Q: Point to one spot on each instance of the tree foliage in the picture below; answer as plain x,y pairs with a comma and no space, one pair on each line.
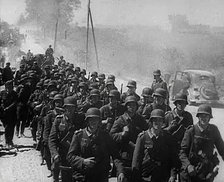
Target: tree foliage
46,12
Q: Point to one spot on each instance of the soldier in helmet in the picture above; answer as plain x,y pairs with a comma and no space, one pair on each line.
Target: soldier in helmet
158,82
7,73
61,61
159,97
90,151
131,91
199,160
51,115
77,72
125,131
93,78
82,93
146,99
8,100
60,137
92,101
104,95
178,120
82,77
155,157
19,73
111,111
101,78
49,52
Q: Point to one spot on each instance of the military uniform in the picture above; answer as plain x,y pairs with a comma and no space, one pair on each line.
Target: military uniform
149,108
126,143
177,125
111,114
159,84
154,158
197,149
8,102
101,147
51,115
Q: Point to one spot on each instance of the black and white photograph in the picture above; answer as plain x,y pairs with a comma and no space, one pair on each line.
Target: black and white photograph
111,90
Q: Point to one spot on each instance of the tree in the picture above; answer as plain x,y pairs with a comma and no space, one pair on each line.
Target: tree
45,13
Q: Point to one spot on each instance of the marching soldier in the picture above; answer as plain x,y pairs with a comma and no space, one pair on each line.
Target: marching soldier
155,156
178,120
146,99
159,97
7,73
101,78
199,160
125,131
90,151
60,137
131,91
8,100
158,82
51,115
92,101
112,110
49,52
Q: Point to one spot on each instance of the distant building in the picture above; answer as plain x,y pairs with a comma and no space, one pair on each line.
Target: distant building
180,24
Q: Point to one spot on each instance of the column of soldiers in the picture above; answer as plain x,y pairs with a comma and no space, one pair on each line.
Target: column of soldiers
86,130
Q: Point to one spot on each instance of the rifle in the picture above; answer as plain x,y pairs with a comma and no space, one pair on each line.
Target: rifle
65,141
121,88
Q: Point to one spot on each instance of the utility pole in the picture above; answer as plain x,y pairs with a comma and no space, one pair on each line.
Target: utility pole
89,17
87,34
56,25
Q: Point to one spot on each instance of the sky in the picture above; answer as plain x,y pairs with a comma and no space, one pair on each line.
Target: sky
133,12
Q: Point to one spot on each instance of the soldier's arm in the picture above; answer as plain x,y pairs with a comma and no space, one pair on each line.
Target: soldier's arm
185,148
15,99
138,157
53,140
114,152
219,142
117,130
47,128
147,112
74,152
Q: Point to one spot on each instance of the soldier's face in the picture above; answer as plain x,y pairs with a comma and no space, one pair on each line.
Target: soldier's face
156,77
93,124
131,89
157,123
132,107
94,98
58,103
159,100
113,100
180,105
69,109
204,119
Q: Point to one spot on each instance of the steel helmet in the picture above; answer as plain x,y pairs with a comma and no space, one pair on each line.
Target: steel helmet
101,76
129,99
157,72
160,92
83,71
93,86
70,101
52,94
115,93
157,113
93,113
111,77
131,83
204,109
180,97
83,84
58,97
146,92
95,92
77,69
94,74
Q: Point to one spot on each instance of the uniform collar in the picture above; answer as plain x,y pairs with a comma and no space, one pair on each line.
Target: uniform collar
88,133
152,134
200,128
